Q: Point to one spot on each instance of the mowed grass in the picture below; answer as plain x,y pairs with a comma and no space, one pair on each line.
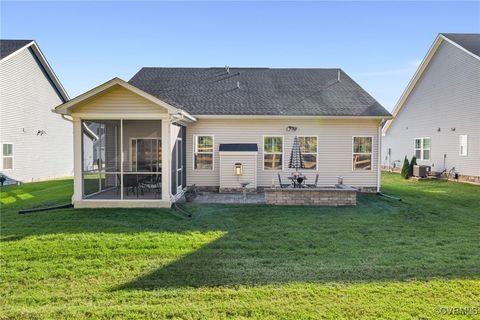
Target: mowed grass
381,259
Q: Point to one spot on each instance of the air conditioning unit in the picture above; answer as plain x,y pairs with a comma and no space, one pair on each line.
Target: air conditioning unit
421,171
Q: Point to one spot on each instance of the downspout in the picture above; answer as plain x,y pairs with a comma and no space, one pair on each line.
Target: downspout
379,154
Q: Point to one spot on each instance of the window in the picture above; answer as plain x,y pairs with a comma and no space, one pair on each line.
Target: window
273,153
422,148
308,146
463,145
146,155
362,153
203,151
7,156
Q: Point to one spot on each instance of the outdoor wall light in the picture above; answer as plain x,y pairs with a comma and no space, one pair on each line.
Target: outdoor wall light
290,128
238,169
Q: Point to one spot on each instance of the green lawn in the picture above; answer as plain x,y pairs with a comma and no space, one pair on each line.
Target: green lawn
381,259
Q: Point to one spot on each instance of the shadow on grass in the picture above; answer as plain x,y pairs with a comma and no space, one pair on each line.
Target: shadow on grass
379,240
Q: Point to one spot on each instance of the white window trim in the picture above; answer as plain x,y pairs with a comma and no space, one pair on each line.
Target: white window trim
263,152
316,154
422,149
370,153
195,136
12,156
130,152
460,145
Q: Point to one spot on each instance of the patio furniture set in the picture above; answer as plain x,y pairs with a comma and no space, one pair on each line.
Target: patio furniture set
298,180
140,186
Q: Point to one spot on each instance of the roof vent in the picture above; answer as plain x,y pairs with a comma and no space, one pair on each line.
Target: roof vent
227,68
338,75
238,84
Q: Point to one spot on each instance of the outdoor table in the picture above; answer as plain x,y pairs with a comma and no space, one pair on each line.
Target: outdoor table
295,182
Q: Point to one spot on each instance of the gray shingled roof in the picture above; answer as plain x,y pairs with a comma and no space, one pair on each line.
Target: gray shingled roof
8,47
258,91
468,41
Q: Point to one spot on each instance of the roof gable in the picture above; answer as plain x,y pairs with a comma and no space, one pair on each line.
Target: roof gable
423,66
116,86
9,48
468,41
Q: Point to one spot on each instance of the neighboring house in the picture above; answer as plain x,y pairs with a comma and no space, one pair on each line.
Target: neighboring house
35,143
437,118
168,128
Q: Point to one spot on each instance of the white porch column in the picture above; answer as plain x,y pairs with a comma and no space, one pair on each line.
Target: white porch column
77,160
166,160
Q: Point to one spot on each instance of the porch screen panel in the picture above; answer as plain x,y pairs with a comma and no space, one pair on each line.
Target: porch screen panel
142,159
101,159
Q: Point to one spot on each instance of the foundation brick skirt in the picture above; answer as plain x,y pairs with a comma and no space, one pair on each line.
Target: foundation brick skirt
340,196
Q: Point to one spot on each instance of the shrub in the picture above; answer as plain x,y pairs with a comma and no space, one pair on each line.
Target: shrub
405,168
413,162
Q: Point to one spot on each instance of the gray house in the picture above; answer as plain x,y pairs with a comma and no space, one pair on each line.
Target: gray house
437,118
168,128
35,143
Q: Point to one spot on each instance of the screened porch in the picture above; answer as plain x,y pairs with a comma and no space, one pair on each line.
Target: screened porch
122,159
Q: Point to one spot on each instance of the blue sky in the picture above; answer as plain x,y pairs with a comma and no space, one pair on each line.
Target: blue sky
379,44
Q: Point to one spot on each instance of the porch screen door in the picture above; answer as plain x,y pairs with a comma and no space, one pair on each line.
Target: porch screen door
179,163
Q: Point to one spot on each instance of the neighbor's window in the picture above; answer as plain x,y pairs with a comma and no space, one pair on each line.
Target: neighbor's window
422,148
463,144
203,152
362,153
273,153
7,156
308,146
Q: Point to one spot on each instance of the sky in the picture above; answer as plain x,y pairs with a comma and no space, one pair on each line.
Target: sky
379,44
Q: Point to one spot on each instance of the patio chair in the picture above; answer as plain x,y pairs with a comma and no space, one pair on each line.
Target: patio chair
152,184
282,185
130,183
313,185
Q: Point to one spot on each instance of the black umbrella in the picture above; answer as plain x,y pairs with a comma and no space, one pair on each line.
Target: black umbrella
296,158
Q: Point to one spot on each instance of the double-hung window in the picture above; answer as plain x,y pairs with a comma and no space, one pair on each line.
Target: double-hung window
362,153
308,146
7,156
273,153
203,152
422,148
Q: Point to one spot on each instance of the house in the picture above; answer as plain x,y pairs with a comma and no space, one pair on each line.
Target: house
35,144
438,115
216,128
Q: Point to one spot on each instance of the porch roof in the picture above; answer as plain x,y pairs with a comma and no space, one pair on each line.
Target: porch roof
68,107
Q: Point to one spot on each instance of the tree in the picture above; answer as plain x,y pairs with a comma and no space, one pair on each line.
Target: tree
405,169
413,162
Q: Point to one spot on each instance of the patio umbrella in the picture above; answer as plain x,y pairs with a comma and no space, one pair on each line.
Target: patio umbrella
296,158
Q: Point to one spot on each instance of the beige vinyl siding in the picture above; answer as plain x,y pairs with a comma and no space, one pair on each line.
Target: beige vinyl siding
26,100
334,147
249,173
446,97
118,100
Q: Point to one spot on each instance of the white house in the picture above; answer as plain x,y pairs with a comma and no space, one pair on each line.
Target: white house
35,143
437,118
168,128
